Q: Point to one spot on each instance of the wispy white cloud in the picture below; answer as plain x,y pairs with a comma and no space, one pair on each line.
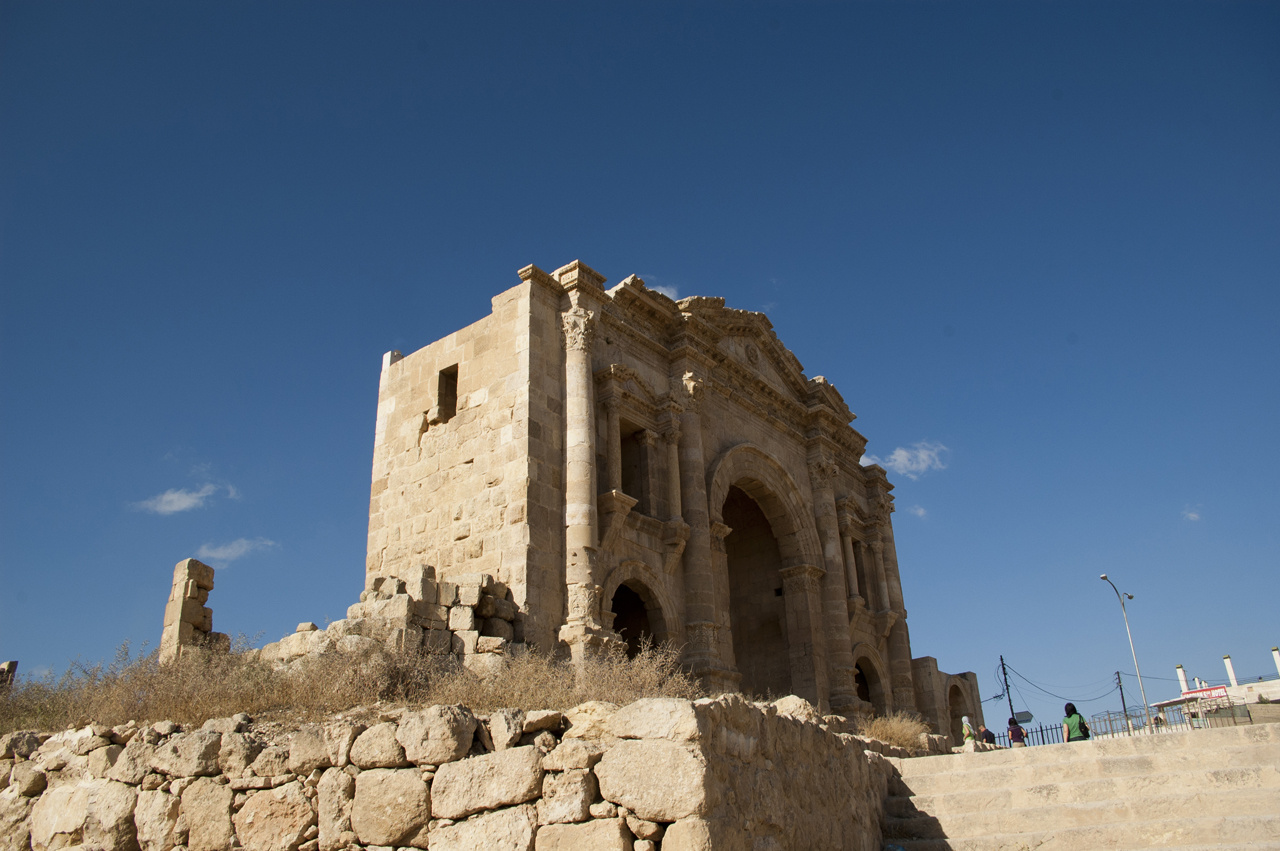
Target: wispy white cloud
1191,513
918,511
177,499
239,548
914,462
651,281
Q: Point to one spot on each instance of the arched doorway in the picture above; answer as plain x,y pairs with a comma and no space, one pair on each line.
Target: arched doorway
637,617
757,606
957,707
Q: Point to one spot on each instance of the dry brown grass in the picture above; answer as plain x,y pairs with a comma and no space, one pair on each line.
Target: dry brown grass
903,729
205,685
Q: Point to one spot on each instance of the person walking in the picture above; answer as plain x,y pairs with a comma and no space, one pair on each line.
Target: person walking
966,730
1073,727
1017,735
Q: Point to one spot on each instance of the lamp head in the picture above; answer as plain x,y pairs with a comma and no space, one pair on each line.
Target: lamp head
1127,594
1103,577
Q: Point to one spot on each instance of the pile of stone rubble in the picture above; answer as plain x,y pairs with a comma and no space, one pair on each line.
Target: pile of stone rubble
470,617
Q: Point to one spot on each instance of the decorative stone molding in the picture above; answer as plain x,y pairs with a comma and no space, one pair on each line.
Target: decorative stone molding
719,532
674,538
614,506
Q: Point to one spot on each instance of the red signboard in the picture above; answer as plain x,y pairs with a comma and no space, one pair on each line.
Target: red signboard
1211,692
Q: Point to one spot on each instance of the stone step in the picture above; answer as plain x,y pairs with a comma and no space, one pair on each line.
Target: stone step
1014,774
1148,809
1236,833
972,800
1217,739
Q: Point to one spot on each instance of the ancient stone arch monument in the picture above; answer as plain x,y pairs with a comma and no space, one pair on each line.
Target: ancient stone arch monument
628,465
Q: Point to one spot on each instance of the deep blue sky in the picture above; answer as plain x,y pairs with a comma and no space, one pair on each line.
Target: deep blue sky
1043,236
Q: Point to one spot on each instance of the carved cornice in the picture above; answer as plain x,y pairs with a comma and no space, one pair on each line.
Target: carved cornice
578,275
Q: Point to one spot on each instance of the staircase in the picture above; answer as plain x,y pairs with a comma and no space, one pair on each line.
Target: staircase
1193,791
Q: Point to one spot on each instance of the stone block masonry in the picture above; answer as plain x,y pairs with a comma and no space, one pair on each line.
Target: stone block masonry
188,622
660,773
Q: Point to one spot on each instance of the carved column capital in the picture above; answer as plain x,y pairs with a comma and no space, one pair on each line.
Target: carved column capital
822,472
647,438
579,329
691,392
801,577
612,404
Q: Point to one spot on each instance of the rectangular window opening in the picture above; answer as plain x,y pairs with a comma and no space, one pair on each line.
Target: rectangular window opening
447,394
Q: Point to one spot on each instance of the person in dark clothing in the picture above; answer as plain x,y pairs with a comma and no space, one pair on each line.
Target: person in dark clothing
1017,735
985,735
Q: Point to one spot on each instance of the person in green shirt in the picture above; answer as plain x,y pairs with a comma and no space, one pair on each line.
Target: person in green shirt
1073,727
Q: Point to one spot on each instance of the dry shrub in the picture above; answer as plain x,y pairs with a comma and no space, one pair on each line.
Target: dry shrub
207,684
903,729
531,679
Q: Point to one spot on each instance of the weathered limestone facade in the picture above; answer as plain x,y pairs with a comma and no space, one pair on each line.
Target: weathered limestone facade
628,465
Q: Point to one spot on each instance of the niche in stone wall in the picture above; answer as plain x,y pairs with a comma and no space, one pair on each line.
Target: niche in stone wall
635,467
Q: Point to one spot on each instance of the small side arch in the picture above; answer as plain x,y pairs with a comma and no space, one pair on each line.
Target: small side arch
634,595
871,679
959,704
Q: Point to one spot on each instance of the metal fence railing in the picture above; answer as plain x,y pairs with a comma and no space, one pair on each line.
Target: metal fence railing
1196,714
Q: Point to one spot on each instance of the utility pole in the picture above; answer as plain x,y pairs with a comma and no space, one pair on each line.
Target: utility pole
1123,706
1004,673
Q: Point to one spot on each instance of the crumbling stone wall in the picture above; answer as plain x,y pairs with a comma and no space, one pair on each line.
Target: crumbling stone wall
469,617
188,622
657,774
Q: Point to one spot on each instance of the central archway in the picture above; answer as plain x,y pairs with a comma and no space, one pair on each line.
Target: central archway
756,606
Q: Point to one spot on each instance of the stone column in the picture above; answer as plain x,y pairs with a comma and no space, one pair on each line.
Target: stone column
581,521
706,618
877,548
648,442
672,438
893,577
802,598
835,603
850,566
614,447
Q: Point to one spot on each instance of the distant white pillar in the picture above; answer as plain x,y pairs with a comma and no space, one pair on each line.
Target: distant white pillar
1231,671
1182,679
1275,656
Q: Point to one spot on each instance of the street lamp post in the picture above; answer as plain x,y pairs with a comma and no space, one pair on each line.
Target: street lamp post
1145,706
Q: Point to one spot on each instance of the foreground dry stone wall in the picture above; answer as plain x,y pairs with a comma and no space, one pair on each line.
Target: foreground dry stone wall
660,773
